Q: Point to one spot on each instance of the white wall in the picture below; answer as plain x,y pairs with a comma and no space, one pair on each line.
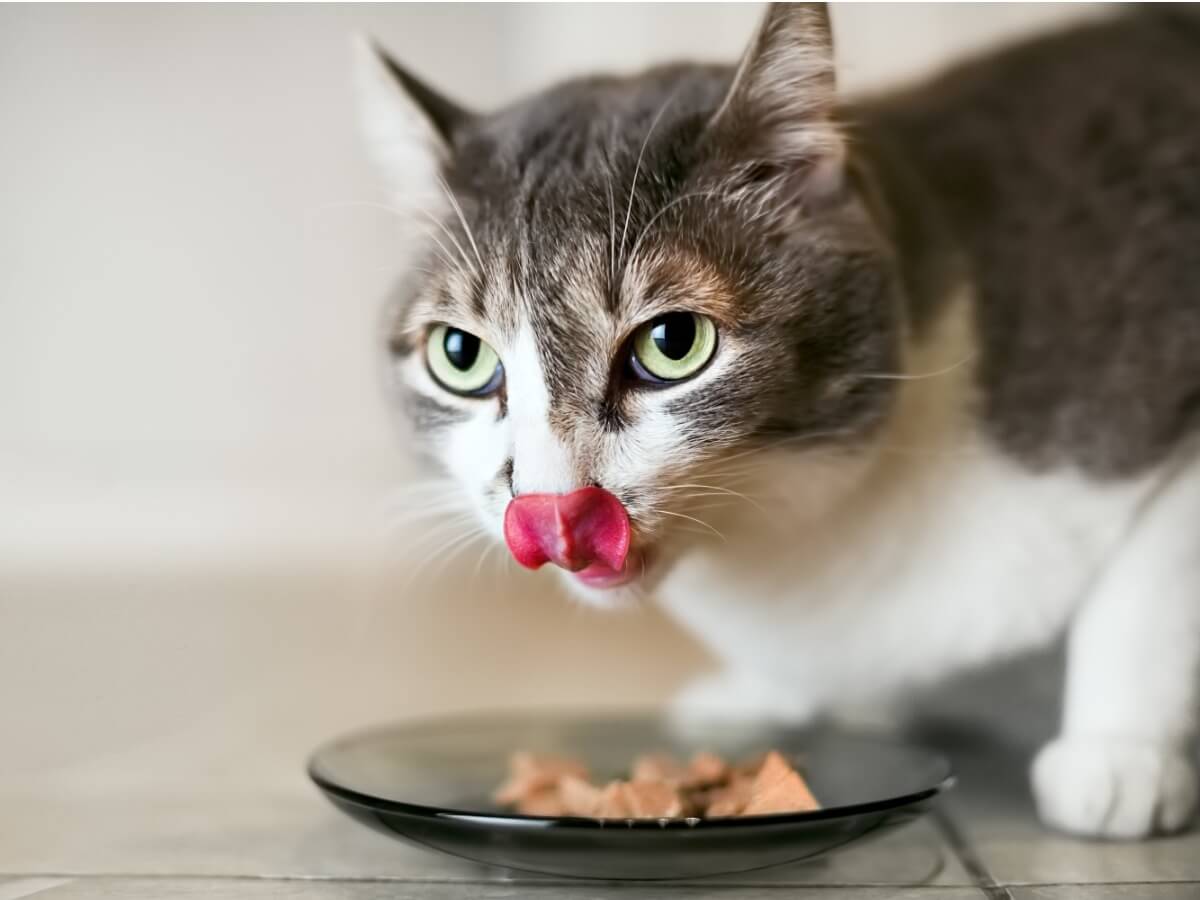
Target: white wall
193,446
190,271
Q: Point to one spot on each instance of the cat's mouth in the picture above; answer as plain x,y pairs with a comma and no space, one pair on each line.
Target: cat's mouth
587,532
600,575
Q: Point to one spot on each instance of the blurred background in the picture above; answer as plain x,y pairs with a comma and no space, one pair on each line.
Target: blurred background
197,575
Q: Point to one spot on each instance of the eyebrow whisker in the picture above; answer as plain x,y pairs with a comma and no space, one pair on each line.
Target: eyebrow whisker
463,219
638,241
637,168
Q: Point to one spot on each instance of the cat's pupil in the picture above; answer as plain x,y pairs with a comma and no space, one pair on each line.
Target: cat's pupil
674,334
462,349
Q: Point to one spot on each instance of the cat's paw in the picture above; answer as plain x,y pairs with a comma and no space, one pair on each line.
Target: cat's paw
884,715
1104,787
727,695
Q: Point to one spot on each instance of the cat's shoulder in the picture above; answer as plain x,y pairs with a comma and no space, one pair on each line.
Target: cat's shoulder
1067,170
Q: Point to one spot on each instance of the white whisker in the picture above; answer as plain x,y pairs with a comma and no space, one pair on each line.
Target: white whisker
456,547
637,168
710,489
464,268
899,376
612,213
484,557
666,206
463,219
700,522
778,442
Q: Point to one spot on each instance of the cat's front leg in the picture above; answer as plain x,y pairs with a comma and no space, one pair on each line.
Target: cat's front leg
738,695
1123,766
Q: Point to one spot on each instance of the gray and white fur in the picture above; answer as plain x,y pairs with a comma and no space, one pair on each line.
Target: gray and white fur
954,410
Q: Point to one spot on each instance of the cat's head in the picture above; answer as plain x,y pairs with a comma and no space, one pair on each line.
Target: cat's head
635,284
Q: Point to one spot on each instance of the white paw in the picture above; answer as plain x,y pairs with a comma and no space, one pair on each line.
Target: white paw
1104,787
886,715
725,695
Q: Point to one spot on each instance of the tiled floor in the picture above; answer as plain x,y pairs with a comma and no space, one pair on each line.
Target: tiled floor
144,838
998,816
287,843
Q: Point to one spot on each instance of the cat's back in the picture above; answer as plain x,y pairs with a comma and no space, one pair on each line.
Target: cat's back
1068,169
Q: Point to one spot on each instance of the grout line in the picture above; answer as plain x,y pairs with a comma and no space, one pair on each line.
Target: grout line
961,847
27,887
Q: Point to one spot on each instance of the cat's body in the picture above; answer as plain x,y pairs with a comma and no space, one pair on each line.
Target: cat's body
1050,460
955,409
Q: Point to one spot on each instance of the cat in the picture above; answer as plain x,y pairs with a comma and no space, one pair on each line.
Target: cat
864,393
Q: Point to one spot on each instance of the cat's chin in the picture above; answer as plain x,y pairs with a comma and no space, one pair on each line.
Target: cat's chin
619,597
603,588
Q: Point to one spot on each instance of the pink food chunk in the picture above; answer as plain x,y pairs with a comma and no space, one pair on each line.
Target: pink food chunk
661,767
541,802
579,797
706,768
731,798
778,788
531,772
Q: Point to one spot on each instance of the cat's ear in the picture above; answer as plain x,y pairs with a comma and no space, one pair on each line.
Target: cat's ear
408,126
780,110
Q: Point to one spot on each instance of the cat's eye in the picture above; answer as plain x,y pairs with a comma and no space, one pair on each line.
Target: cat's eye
672,347
462,363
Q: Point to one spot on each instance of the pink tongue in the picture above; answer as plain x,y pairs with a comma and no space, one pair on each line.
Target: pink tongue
574,530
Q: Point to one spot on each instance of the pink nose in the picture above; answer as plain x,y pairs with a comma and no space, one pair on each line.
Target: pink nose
576,530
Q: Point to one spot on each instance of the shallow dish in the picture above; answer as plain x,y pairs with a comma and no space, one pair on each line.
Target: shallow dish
429,783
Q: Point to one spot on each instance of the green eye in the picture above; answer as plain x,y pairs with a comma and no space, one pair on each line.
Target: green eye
673,347
461,362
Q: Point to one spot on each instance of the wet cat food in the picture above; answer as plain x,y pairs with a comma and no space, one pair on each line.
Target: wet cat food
659,786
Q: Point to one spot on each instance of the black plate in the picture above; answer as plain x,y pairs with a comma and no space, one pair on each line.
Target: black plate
429,783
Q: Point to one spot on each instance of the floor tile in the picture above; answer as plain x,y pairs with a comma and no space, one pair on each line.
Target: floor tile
1109,892
999,820
1055,860
286,834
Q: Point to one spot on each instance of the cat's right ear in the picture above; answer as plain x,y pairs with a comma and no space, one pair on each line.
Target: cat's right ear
409,128
779,113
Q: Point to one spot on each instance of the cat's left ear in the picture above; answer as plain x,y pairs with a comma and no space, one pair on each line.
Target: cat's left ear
780,111
408,126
